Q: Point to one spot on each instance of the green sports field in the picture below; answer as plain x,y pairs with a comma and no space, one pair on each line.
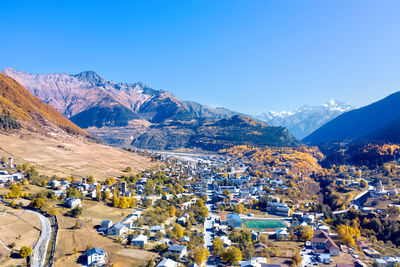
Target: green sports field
264,224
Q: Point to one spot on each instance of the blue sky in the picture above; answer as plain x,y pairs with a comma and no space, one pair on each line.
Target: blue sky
249,56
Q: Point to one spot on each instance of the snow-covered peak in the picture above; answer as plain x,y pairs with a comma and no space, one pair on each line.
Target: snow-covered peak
303,120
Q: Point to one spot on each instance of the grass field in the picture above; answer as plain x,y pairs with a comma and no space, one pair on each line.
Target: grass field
17,228
273,224
61,156
92,215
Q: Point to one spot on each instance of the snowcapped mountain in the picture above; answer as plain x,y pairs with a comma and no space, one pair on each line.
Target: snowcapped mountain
306,119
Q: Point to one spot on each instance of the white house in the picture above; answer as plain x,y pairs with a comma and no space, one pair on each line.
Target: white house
73,202
95,256
167,263
139,240
117,229
180,250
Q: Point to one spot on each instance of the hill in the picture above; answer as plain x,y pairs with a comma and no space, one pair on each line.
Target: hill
17,103
213,135
379,121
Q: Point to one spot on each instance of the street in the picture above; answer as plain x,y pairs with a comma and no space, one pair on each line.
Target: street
40,249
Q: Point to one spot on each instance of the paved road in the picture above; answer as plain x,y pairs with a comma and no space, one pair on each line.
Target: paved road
208,237
40,249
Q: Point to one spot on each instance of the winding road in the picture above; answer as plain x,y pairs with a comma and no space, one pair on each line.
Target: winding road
40,249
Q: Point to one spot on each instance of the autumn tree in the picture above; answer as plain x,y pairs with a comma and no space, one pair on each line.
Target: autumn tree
200,255
218,247
37,203
232,255
98,192
347,234
15,191
178,230
171,211
25,251
306,233
90,179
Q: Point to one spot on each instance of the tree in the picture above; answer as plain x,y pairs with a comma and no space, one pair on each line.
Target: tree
297,257
115,202
393,211
25,251
15,191
128,169
363,183
52,211
307,233
150,263
178,230
147,203
347,234
232,255
171,211
37,203
76,212
160,247
123,203
132,202
218,247
110,181
98,193
200,255
226,193
90,179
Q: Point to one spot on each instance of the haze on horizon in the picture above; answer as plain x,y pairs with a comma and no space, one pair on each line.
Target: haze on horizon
250,57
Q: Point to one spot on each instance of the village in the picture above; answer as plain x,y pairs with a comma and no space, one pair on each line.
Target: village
209,210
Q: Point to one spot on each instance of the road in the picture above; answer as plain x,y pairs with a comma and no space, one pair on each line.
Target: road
40,249
208,224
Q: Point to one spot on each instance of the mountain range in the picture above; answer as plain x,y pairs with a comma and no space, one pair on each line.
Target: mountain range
379,121
133,113
306,119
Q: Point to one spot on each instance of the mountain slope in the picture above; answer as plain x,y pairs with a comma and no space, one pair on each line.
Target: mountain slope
372,122
18,103
303,121
214,135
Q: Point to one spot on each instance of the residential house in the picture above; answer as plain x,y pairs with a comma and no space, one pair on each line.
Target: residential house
178,249
139,240
95,256
118,229
167,263
321,242
254,262
104,226
182,220
73,202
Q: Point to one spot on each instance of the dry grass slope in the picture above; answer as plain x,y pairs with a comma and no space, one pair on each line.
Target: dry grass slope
18,103
63,156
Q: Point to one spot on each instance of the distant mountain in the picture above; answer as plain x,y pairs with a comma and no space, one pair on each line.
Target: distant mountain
379,121
133,113
16,103
303,121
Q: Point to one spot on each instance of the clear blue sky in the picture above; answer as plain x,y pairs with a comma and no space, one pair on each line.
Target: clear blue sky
250,56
